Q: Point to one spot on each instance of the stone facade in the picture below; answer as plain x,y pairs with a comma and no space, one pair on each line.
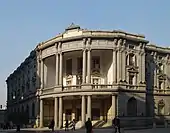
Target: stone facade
82,74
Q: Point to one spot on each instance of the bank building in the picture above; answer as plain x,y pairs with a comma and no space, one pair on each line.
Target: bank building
81,74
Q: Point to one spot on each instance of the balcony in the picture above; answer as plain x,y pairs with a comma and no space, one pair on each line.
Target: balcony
162,91
74,88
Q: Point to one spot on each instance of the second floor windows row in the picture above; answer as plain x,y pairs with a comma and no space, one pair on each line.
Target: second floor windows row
95,64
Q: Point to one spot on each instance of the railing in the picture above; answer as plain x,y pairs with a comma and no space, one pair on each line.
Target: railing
164,91
131,87
48,90
101,86
71,87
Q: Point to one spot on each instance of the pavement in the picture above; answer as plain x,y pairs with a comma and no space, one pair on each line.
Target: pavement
153,130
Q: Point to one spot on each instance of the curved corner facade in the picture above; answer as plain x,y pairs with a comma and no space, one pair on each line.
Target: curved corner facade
84,74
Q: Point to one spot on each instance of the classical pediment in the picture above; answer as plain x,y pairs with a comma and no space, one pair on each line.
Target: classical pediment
133,69
162,76
69,77
96,73
161,102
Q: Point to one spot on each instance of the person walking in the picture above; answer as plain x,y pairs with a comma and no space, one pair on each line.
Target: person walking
52,125
73,124
66,125
116,124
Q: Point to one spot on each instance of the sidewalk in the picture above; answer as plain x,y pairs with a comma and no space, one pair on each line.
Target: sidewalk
106,130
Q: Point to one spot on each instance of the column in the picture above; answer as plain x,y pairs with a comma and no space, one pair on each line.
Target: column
118,66
123,57
155,77
37,112
114,66
61,70
89,66
113,106
56,112
89,107
38,74
84,66
83,110
57,66
60,112
166,72
140,68
41,113
42,73
143,67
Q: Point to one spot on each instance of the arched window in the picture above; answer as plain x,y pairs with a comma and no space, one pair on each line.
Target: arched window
132,107
161,107
33,109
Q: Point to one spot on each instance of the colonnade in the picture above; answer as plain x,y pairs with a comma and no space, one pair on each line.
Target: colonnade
58,110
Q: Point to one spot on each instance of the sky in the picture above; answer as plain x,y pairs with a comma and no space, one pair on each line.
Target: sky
25,23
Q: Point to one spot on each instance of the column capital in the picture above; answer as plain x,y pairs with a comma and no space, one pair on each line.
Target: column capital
120,41
124,42
60,53
84,40
89,49
56,45
84,49
89,40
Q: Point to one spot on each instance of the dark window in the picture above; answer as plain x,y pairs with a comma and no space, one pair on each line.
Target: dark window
96,62
33,110
79,63
69,67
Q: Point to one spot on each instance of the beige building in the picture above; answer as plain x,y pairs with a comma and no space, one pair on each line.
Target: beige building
82,74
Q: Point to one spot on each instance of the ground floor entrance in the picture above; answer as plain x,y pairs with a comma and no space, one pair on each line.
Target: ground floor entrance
79,108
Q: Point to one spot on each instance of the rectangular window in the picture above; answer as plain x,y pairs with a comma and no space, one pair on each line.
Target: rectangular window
69,67
160,85
79,64
131,78
96,62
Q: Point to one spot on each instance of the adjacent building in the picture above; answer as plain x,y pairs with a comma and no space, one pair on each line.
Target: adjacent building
82,74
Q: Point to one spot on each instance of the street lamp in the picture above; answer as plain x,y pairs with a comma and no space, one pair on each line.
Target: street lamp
22,98
13,97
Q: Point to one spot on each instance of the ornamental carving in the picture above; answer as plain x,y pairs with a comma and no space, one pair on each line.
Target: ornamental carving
161,103
69,77
132,69
162,76
96,73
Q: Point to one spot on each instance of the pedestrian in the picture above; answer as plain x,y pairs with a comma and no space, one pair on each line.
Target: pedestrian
66,125
88,126
73,124
116,124
52,125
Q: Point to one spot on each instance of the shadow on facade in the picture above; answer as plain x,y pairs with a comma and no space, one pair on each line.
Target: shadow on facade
23,104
